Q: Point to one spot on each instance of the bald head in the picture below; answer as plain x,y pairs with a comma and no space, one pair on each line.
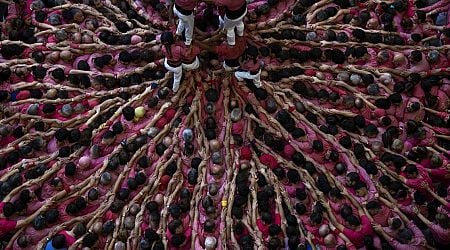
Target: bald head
399,59
330,240
159,198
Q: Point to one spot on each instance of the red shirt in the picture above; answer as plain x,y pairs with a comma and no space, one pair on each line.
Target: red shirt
232,52
251,65
176,53
231,4
186,4
6,226
264,228
191,54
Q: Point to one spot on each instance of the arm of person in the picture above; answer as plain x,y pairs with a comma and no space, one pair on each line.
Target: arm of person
422,218
332,217
437,197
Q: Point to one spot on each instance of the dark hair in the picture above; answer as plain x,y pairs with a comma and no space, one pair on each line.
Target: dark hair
342,37
346,142
396,223
416,56
58,74
8,209
383,103
353,220
59,241
128,113
90,239
274,229
51,216
177,240
359,34
48,108
405,235
251,52
167,39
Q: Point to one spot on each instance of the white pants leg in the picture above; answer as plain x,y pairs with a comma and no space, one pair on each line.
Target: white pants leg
177,73
192,66
221,22
230,24
185,23
240,75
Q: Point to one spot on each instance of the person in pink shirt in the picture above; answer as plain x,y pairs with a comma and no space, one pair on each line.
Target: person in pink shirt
356,229
379,212
439,230
418,62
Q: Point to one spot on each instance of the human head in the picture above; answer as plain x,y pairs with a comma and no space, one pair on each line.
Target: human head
443,220
167,38
59,241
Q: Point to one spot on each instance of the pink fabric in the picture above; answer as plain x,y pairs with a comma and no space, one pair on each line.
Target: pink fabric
357,237
6,226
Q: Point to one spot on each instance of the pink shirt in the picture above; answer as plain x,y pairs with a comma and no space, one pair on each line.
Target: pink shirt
6,226
357,237
440,234
382,216
69,238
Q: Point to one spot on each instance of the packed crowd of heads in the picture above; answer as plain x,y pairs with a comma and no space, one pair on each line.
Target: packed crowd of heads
341,142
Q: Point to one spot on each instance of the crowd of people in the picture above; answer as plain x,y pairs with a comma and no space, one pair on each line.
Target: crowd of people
224,124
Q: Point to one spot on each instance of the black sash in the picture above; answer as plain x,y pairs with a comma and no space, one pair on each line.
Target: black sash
183,11
235,14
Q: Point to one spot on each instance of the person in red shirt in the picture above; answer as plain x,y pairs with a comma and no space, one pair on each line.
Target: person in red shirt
190,58
251,68
174,54
235,11
184,9
229,53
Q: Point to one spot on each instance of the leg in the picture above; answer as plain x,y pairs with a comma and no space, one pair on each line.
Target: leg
257,80
221,24
229,27
189,28
181,25
240,28
177,79
231,39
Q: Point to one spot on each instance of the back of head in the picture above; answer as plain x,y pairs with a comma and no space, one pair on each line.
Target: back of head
167,38
59,241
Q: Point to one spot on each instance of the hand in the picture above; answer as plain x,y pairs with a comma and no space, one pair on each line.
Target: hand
377,227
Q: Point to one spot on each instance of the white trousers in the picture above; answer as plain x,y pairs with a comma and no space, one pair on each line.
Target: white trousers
185,23
220,22
241,75
230,24
192,66
177,73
